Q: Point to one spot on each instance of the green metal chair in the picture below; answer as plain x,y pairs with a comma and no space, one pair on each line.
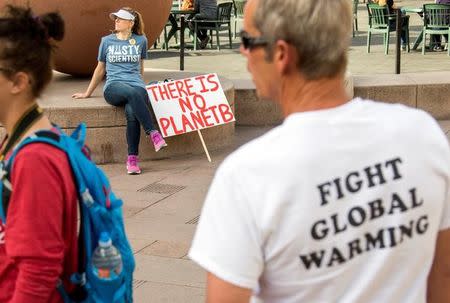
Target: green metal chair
380,22
165,45
436,21
355,17
238,13
222,22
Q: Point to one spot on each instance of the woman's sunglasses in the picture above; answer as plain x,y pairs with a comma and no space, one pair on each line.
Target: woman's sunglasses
249,42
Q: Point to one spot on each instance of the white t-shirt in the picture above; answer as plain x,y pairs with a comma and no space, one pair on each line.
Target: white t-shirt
336,205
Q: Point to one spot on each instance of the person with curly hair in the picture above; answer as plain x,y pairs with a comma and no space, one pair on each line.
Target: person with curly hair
38,243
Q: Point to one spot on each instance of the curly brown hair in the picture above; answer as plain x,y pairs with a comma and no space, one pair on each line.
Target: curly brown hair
25,44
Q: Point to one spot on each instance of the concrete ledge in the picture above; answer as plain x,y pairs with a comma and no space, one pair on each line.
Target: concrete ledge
250,110
108,144
427,91
106,124
387,88
445,125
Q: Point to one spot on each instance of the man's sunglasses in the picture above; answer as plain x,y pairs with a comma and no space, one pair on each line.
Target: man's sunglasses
249,42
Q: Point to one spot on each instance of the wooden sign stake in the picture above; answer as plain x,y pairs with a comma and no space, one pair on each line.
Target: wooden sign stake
204,145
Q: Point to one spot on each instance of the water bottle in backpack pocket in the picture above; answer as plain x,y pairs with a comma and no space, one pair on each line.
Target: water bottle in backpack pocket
106,261
106,268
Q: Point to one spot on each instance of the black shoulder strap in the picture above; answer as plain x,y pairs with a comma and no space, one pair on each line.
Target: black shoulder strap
24,123
6,192
6,195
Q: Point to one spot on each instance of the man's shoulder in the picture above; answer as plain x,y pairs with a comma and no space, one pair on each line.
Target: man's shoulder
399,119
398,110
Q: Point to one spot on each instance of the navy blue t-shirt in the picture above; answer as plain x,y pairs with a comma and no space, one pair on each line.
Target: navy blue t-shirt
123,59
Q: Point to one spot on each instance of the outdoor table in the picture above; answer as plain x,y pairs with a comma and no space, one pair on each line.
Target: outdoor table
174,29
419,11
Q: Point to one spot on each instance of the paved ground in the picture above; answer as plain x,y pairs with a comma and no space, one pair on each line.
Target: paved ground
162,207
163,204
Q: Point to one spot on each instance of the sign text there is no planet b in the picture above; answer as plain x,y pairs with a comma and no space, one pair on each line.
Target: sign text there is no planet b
191,104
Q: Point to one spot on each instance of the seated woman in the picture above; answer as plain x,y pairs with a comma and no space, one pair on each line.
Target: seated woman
205,10
121,57
392,23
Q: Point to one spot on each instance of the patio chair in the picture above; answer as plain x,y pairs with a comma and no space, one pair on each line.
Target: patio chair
382,22
238,13
165,45
436,21
222,22
355,17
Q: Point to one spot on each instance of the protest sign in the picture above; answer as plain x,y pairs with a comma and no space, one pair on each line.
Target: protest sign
190,104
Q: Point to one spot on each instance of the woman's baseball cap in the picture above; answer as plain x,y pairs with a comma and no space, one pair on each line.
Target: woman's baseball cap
122,14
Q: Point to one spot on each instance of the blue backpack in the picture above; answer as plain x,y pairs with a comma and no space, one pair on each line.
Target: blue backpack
100,211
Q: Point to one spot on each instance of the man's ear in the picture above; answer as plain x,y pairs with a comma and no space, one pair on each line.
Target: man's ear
20,82
285,57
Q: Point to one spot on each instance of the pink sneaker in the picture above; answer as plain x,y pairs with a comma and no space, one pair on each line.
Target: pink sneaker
132,165
157,140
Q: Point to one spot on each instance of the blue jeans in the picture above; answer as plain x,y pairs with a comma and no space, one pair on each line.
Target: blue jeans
137,111
201,33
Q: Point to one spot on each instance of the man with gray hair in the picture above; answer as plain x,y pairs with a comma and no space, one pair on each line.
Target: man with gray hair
346,201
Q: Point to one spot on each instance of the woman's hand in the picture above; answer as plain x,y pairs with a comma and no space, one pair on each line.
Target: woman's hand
80,96
99,72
